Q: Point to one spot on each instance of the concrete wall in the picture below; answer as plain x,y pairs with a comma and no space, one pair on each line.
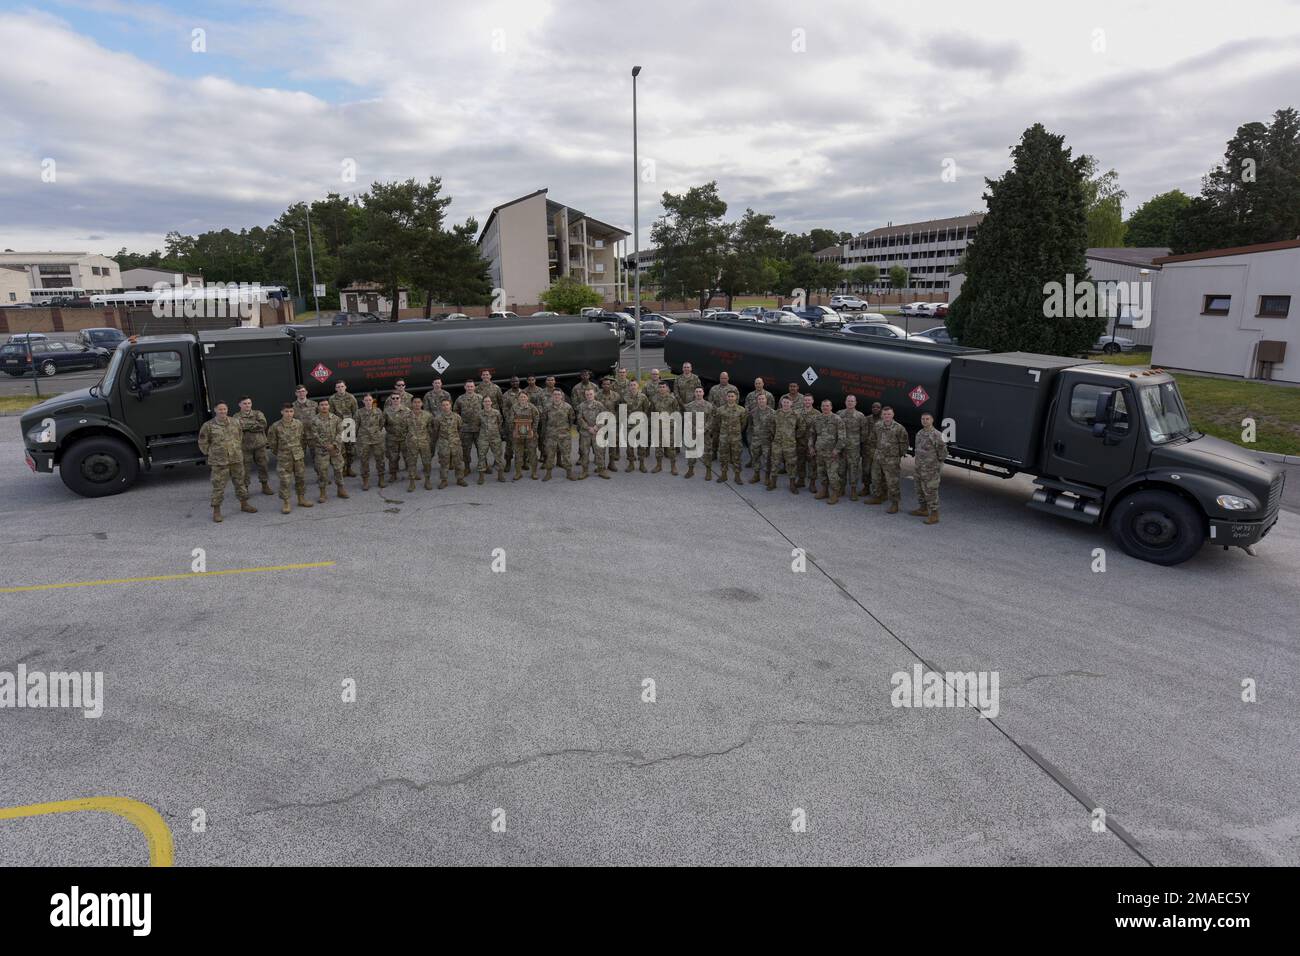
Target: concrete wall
130,321
15,286
525,272
1225,344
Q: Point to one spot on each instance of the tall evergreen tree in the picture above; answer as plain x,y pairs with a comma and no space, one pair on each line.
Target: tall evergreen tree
1035,233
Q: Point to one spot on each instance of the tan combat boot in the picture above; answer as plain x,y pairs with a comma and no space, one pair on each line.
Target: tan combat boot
568,473
442,475
853,492
501,474
216,514
920,511
428,480
708,472
266,488
821,494
674,466
756,478
771,481
934,517
284,506
245,507
892,509
690,469
481,479
380,478
343,492
534,474
834,498
547,476
302,498
365,482
659,466
410,483
631,466
602,473
740,479
461,480
641,465
320,500
519,473
583,476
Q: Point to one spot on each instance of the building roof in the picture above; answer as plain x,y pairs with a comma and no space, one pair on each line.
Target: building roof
496,209
1130,255
972,219
551,207
836,250
23,257
1234,251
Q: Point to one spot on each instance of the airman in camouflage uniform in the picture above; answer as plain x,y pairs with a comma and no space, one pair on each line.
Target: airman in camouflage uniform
344,405
419,445
762,428
434,396
284,439
370,441
665,402
403,396
397,419
928,453
589,414
536,395
449,446
326,432
684,385
611,399
578,394
806,466
489,441
558,417
523,423
792,393
621,381
890,447
750,401
718,393
854,423
470,409
635,402
304,410
508,401
827,435
784,444
221,442
253,424
731,425
651,388
543,403
489,389
869,451
701,410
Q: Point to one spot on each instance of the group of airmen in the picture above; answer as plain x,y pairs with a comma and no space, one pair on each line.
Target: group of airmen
528,428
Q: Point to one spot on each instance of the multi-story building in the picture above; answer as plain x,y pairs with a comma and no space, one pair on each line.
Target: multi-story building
531,241
147,277
929,251
85,271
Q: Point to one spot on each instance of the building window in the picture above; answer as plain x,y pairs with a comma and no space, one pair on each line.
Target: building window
13,296
1216,305
1274,306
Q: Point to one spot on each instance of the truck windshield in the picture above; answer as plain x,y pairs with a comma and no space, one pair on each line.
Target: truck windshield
1163,409
105,386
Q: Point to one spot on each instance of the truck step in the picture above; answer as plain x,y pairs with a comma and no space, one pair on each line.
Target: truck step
1067,505
1060,484
175,450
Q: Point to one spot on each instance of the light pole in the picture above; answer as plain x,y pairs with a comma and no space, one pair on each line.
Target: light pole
636,229
311,254
293,236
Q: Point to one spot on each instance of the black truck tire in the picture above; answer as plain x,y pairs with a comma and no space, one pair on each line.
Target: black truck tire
99,466
1157,526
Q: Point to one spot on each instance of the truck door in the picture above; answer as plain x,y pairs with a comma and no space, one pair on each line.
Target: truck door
161,395
1074,451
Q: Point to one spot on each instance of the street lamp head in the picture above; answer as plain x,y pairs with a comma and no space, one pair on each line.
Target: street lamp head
636,70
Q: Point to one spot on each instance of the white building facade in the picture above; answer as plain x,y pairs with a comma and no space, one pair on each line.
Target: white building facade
87,271
1231,311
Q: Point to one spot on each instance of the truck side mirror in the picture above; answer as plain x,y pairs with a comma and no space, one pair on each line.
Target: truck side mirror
1102,416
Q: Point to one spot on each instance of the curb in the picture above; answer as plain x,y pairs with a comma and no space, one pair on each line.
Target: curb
1284,459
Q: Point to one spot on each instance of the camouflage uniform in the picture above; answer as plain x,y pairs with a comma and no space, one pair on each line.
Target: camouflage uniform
718,394
491,390
469,407
450,449
397,419
253,424
576,394
284,439
637,403
762,427
887,458
709,412
869,456
929,452
828,437
489,443
684,387
751,402
558,418
784,446
419,448
855,424
665,404
806,466
523,435
588,416
304,410
731,424
325,431
611,399
345,406
433,399
404,397
508,400
370,442
535,393
223,447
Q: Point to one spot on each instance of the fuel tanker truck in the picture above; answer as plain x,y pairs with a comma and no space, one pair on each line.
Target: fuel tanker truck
158,390
1107,445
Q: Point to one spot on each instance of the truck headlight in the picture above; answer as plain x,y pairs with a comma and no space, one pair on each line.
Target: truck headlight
1234,503
40,435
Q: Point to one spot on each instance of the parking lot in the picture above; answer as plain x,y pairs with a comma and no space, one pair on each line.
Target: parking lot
520,696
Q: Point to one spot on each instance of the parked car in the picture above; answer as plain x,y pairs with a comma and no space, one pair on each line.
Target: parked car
941,311
1113,344
720,314
753,312
455,317
504,315
542,315
590,311
27,337
926,309
50,357
400,321
653,332
883,330
355,318
791,320
667,320
849,302
940,335
104,338
822,317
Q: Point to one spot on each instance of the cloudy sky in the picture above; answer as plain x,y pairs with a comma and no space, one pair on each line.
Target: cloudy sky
838,114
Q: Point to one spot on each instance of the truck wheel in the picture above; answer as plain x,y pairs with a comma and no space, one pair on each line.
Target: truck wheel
1157,526
99,466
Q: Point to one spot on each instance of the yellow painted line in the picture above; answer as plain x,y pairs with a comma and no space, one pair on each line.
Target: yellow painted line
166,577
148,820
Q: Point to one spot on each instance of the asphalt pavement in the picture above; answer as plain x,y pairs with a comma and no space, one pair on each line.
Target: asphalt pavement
507,716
